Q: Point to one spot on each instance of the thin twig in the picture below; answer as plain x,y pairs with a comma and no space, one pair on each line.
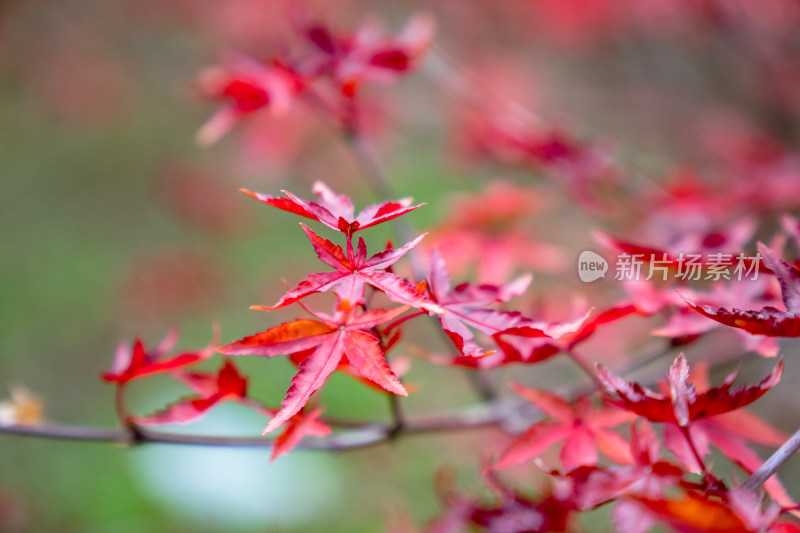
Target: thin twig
361,437
366,436
771,465
372,170
382,187
585,367
487,414
642,362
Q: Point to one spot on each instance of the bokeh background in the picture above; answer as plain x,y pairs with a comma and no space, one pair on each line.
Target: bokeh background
115,224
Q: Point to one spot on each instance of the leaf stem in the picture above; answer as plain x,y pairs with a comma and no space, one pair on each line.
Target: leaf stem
132,433
119,404
697,457
398,420
370,167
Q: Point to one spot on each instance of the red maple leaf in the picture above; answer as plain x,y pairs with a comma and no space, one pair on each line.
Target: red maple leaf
228,385
246,86
581,428
534,341
344,336
520,339
683,404
729,432
686,323
353,271
526,343
366,54
210,389
297,427
399,365
136,362
740,511
588,487
336,210
768,320
466,306
645,300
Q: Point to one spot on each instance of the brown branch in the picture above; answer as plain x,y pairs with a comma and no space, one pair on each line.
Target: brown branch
366,435
509,412
499,412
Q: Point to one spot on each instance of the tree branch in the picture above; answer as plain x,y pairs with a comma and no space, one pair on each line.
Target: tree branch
360,437
498,412
774,462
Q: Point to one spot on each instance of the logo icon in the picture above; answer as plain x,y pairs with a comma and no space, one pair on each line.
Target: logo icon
591,266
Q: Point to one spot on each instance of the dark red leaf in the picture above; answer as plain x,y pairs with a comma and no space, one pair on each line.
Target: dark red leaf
136,362
336,211
660,408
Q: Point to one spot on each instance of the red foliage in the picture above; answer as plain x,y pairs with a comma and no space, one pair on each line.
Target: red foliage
336,211
581,429
353,272
683,404
329,341
768,320
739,168
136,362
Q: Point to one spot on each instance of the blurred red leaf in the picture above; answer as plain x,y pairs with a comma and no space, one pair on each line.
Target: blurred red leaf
136,362
466,306
768,320
581,429
246,86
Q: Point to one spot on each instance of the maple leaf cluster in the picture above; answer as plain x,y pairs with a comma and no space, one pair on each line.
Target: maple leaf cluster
329,72
356,338
643,489
208,389
351,338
